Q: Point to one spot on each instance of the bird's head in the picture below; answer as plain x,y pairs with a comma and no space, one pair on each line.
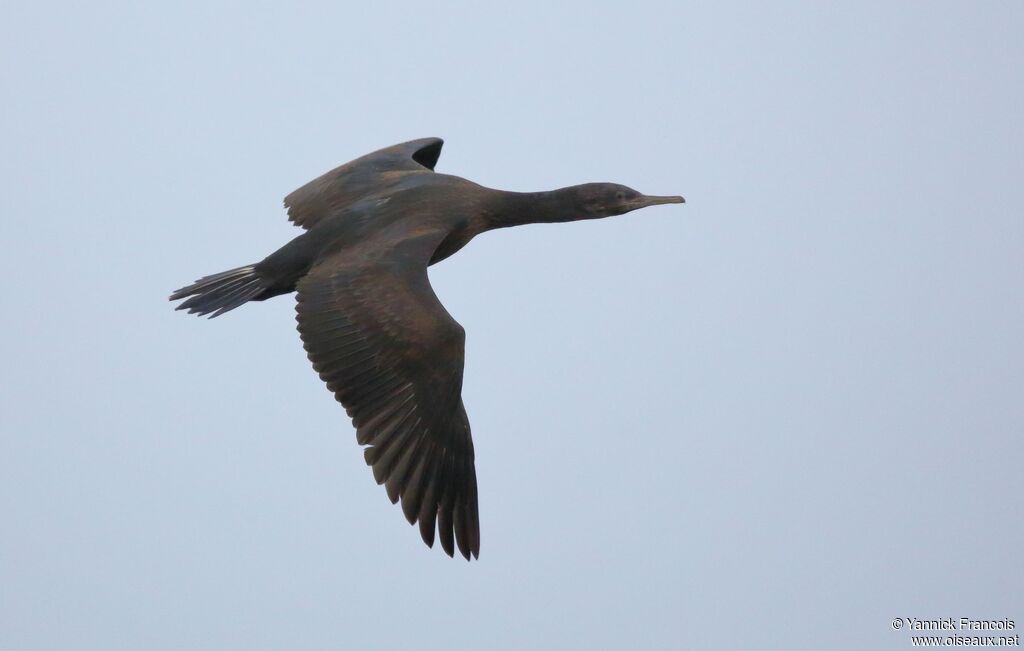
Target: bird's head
596,200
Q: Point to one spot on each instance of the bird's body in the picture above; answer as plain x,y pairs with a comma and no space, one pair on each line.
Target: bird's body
371,324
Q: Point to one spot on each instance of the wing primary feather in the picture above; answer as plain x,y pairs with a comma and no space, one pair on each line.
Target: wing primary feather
391,452
412,493
373,428
428,509
461,533
394,428
397,478
444,512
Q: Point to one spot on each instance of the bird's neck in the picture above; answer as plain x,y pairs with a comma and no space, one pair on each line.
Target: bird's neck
516,208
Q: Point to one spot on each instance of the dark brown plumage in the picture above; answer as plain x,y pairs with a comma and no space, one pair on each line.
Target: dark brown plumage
371,324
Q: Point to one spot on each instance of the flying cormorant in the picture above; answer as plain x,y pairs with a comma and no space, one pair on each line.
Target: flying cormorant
371,324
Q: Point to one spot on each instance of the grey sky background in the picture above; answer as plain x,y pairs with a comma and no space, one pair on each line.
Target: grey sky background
776,417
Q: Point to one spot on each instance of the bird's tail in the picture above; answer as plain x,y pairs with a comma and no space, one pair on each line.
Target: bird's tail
221,292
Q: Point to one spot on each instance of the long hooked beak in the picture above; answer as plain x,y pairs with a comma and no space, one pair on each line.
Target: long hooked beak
646,200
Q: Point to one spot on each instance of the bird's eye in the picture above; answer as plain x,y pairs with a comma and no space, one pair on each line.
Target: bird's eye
619,196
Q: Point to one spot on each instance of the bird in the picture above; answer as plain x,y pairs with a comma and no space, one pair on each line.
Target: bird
372,326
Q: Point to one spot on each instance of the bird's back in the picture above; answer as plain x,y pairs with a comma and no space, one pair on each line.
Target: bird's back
374,174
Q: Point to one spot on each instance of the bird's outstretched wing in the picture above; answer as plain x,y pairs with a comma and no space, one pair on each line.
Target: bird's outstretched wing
393,356
370,174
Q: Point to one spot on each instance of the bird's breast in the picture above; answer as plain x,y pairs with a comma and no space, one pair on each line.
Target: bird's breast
459,236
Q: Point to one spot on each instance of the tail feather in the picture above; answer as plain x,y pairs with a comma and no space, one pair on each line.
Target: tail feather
221,292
